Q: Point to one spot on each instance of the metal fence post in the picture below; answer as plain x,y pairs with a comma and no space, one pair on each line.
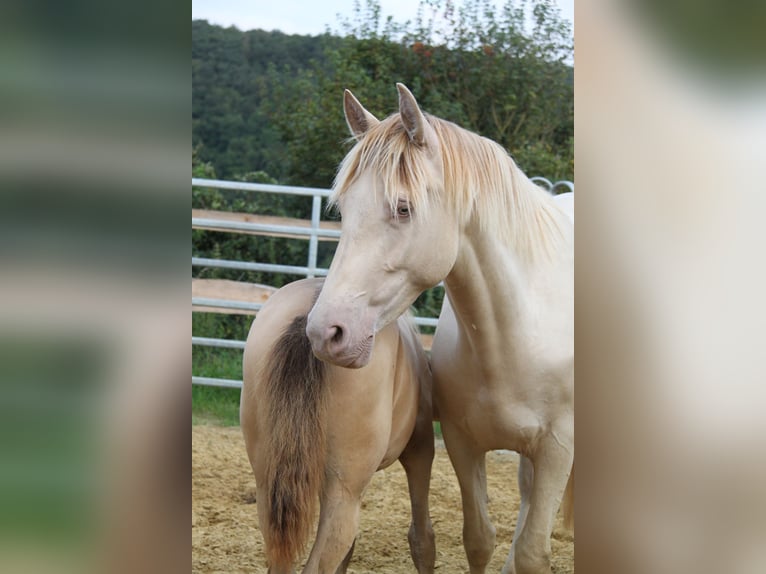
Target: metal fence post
316,207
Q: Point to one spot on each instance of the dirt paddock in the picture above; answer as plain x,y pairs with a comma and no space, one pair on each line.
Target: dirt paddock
225,536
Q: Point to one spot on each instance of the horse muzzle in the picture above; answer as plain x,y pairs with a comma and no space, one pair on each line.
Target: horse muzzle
335,342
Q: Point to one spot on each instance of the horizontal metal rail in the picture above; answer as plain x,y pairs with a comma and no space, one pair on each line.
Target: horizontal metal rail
568,184
213,382
224,343
551,186
226,304
248,266
262,187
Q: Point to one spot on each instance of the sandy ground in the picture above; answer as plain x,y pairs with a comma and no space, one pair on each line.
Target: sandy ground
225,535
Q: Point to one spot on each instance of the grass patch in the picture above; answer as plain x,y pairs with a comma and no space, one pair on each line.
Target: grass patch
217,362
215,405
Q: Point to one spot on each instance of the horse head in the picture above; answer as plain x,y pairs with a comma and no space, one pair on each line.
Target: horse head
399,237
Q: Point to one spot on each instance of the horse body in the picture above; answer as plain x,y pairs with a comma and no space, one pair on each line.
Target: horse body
422,201
507,329
356,422
503,378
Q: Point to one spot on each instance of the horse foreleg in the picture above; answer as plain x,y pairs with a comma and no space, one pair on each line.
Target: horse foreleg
526,475
417,459
552,462
338,525
470,467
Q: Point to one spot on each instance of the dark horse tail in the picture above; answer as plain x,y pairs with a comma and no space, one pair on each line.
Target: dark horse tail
297,448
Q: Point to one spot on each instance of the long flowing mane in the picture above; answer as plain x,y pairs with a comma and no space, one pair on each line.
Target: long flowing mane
480,181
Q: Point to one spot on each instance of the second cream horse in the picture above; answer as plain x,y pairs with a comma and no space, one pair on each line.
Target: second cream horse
318,432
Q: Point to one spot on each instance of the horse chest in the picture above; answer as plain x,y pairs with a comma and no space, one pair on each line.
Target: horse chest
491,419
502,401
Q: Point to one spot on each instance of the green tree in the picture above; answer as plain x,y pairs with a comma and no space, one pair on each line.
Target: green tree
229,87
502,74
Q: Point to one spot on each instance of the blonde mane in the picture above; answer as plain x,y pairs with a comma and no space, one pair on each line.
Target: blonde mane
480,181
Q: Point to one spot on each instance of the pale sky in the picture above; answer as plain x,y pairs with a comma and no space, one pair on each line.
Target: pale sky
307,16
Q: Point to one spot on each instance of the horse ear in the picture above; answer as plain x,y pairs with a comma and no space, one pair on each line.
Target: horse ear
413,119
358,119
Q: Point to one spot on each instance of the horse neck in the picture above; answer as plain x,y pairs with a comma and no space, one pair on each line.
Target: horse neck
498,287
487,288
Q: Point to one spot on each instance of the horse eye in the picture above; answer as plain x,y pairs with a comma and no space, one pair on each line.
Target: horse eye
403,210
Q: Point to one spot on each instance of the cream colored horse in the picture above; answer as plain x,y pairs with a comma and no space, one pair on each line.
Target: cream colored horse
317,431
423,200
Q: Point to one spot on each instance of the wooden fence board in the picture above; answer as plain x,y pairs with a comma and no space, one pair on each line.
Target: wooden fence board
263,219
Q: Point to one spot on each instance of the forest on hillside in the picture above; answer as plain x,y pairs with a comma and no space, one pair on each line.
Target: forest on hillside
271,103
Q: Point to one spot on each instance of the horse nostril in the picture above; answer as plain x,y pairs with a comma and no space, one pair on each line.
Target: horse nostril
337,334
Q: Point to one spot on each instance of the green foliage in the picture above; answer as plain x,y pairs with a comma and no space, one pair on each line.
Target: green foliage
200,168
229,88
429,304
212,405
484,69
222,326
217,362
272,102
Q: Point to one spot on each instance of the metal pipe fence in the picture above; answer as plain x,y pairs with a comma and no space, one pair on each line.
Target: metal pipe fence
311,233
553,186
